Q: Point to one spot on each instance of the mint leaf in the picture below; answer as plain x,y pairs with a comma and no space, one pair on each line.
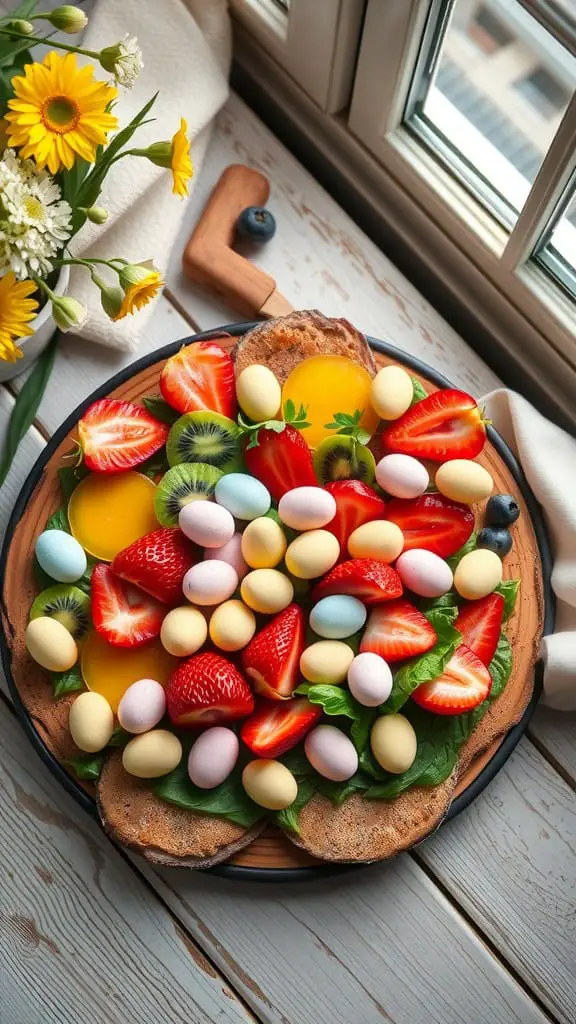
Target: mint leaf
66,682
338,792
419,391
500,667
430,665
289,817
509,590
160,409
58,520
228,800
86,766
464,550
302,689
335,700
278,426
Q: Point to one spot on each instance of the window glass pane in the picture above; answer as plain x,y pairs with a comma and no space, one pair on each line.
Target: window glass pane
558,254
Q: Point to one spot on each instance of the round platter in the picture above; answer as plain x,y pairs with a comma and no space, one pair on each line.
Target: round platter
271,857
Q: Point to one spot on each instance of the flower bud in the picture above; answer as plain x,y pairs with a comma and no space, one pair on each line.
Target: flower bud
68,312
134,273
160,153
68,19
97,214
123,60
20,25
111,298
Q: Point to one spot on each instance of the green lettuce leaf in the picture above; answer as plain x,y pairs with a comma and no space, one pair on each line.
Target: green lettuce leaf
66,682
470,545
290,816
500,667
361,726
509,590
58,520
338,792
419,391
335,700
297,762
228,800
86,766
70,477
160,409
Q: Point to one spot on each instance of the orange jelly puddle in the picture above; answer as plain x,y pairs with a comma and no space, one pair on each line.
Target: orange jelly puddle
327,385
107,512
111,670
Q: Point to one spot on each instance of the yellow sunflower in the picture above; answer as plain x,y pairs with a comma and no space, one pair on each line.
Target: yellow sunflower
16,311
141,283
180,162
59,112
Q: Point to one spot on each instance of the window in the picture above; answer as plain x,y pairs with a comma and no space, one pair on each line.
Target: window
487,31
544,92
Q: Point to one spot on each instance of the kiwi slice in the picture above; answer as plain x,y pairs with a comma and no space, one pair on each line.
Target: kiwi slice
342,458
180,485
206,437
69,605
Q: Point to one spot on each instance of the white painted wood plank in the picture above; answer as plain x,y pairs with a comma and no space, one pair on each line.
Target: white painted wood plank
556,732
29,450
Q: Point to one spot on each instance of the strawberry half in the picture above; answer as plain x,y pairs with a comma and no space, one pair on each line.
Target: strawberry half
480,623
274,728
157,563
122,614
463,685
432,522
200,376
397,630
272,658
116,435
356,503
446,425
367,579
205,690
281,461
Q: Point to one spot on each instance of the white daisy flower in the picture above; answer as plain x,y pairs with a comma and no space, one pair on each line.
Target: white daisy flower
123,60
34,219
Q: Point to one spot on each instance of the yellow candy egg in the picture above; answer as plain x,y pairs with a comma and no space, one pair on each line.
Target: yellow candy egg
258,392
91,722
263,543
393,743
464,480
232,626
50,644
183,631
269,784
380,539
152,754
477,574
267,591
392,392
312,554
326,661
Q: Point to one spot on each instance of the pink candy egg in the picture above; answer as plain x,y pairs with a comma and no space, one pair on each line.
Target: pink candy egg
307,508
370,679
142,706
230,552
402,476
206,523
213,757
424,573
209,582
331,753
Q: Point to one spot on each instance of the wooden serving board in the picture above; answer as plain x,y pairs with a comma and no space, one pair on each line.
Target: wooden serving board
49,719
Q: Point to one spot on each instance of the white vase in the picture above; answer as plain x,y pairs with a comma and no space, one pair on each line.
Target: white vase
43,326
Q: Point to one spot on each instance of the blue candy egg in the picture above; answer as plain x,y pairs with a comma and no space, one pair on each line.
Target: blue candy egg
337,617
61,556
243,495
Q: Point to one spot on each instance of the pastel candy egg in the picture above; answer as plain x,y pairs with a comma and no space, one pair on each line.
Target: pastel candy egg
183,631
244,496
232,626
393,743
331,753
269,784
379,539
477,574
142,706
210,582
230,552
267,591
258,392
370,679
61,556
263,543
152,754
402,476
91,722
424,573
306,508
212,757
50,644
392,392
326,661
312,554
464,480
337,616
206,523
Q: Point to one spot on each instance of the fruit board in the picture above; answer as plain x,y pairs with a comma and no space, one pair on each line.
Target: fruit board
270,856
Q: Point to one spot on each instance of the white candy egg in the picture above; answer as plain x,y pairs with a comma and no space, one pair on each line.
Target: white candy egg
402,476
464,480
306,508
312,554
380,539
424,573
392,392
142,706
91,722
212,757
183,631
393,743
61,556
152,754
370,679
209,582
230,552
331,753
477,574
243,495
206,523
258,392
50,644
270,784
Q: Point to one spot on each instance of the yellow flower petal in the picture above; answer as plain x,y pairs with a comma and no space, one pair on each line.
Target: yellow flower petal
181,164
16,311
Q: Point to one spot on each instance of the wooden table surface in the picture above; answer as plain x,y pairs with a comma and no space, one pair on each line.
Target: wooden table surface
477,924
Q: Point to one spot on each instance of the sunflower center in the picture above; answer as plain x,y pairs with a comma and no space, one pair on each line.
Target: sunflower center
34,208
60,114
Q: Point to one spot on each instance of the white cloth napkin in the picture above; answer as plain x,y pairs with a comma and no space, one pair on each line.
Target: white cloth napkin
186,46
547,455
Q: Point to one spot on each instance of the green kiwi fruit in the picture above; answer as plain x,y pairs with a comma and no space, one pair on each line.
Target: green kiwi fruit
180,485
342,458
68,604
205,437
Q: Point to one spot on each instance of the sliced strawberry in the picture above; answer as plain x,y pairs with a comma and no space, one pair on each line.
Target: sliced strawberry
200,376
205,690
367,579
272,658
432,522
116,435
356,503
122,614
480,623
281,461
397,630
446,425
157,563
463,685
274,728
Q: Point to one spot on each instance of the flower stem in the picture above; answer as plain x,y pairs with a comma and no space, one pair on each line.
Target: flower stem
59,46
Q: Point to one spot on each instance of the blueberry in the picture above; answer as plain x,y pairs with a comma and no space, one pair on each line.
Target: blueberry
496,539
257,223
502,510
